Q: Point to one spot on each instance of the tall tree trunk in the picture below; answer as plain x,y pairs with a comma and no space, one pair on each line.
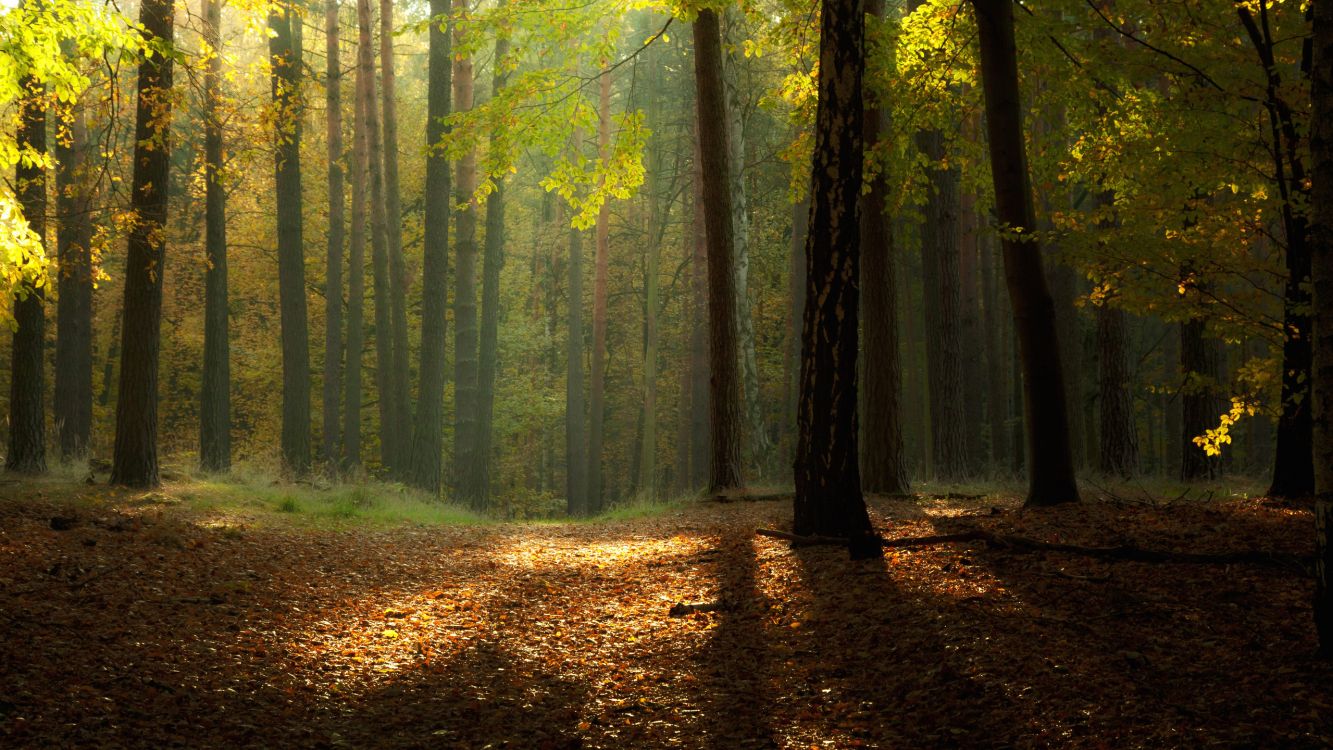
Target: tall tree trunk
215,393
724,387
647,474
427,434
465,288
576,445
73,406
699,378
969,328
828,477
285,52
333,286
1199,403
393,227
491,263
1119,454
1321,248
356,278
390,430
135,459
756,441
997,359
27,394
1050,467
800,221
601,270
884,470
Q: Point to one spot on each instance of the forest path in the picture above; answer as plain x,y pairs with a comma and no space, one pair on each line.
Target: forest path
154,626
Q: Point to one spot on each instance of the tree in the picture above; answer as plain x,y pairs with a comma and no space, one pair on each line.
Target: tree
285,54
884,470
601,270
73,402
465,284
828,475
27,385
1050,467
1321,248
333,282
134,463
356,276
215,392
576,457
724,472
393,225
427,436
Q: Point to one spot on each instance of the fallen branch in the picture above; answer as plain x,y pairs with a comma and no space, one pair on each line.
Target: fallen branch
680,609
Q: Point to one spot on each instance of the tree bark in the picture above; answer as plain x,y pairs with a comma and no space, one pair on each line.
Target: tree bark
576,457
1050,467
27,394
427,434
828,498
465,287
393,225
215,393
997,358
1321,248
73,406
601,270
285,53
1199,403
884,470
1119,438
724,386
800,221
699,348
333,280
135,459
356,276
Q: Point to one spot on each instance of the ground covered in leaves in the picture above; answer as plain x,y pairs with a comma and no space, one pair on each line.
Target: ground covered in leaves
139,622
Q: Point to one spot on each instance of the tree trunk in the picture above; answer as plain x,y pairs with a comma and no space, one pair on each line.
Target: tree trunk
699,326
647,474
215,393
828,498
997,360
285,52
969,329
135,459
1050,467
356,277
393,226
465,289
427,435
800,221
1321,248
27,394
1119,454
73,407
884,470
333,286
724,387
491,263
576,457
1199,403
601,270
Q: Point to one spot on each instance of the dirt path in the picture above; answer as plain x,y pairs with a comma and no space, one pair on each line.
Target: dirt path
161,628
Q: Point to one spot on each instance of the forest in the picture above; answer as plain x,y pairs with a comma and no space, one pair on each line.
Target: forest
666,373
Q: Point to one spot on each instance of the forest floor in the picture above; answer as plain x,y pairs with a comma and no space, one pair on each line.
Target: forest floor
159,620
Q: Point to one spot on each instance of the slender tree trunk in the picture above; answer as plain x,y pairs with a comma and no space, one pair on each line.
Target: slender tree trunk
884,470
215,393
576,457
970,332
1199,403
491,263
997,392
393,226
647,474
724,391
1321,248
1119,454
465,289
333,286
356,279
601,271
427,434
1050,467
800,221
73,406
828,477
135,459
699,327
285,52
27,394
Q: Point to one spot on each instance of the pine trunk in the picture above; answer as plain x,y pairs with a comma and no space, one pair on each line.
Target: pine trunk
465,288
699,379
135,459
427,434
1050,467
1199,403
27,395
356,280
601,270
997,335
800,220
333,284
1119,454
576,457
215,393
393,227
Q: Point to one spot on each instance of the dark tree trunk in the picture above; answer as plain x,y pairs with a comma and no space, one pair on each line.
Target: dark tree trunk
828,476
970,332
135,459
393,225
576,457
1069,329
724,385
27,394
699,379
997,358
333,286
73,406
465,290
601,272
1171,411
285,52
800,221
1119,454
491,263
215,393
1199,403
1321,247
1050,468
884,470
427,436
356,279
